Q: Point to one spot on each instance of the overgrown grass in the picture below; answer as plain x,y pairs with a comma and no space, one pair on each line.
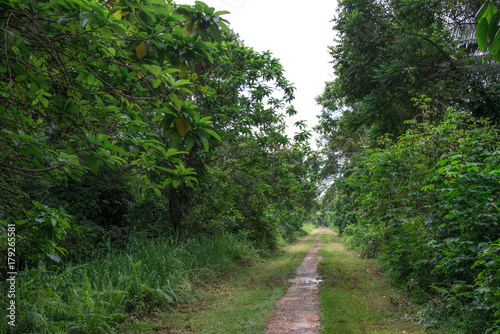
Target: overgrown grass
143,278
354,298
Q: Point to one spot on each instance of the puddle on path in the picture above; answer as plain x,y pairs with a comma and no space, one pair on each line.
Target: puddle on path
304,280
297,311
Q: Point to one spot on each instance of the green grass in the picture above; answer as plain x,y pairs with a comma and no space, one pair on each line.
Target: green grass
241,302
207,285
355,298
144,278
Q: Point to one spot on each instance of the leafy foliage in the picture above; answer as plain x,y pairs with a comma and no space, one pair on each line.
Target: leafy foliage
487,29
409,130
389,52
436,189
139,116
131,88
84,103
92,85
254,168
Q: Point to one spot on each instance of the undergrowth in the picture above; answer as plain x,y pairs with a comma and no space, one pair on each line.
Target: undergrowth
428,206
145,277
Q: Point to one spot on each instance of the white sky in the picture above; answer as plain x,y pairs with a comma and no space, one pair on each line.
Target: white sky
296,32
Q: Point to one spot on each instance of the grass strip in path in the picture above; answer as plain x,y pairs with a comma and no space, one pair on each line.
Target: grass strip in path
243,302
355,298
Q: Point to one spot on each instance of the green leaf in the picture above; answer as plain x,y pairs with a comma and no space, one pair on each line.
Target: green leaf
176,101
224,26
101,138
213,134
115,148
184,10
482,34
155,70
442,162
158,2
185,90
493,25
201,6
85,19
172,151
182,82
221,12
117,160
156,83
93,163
105,32
204,140
494,46
427,187
190,141
482,12
91,78
69,17
54,257
21,77
157,191
44,101
138,266
216,34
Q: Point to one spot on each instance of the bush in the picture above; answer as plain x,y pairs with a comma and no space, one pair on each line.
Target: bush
429,204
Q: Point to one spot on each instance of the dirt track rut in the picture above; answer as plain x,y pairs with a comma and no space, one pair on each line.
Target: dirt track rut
297,311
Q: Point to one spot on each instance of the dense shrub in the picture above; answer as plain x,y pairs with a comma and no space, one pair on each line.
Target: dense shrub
429,204
102,198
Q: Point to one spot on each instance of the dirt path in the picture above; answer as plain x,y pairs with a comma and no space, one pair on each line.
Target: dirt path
297,311
353,297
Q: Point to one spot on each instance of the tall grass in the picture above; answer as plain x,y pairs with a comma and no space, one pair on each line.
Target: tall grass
147,275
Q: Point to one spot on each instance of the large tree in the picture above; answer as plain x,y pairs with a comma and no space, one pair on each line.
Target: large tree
91,83
255,167
388,52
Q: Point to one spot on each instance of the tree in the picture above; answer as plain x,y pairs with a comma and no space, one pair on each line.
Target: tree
87,83
406,132
390,52
247,96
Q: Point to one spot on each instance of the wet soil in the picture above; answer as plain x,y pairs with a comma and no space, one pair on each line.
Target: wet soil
297,311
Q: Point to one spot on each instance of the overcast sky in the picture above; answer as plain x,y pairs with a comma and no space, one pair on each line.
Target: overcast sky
296,32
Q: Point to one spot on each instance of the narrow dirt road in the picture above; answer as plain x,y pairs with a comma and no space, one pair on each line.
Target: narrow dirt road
353,296
297,311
